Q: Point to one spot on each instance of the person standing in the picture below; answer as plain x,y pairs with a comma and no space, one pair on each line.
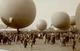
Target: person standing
33,40
25,42
52,39
74,43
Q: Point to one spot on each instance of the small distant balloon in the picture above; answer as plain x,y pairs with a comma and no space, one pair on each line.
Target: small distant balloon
41,25
61,20
17,13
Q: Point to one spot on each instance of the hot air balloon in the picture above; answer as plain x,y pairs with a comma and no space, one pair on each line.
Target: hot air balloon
72,20
61,20
41,25
78,17
17,13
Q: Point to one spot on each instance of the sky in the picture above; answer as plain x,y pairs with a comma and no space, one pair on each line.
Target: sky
46,8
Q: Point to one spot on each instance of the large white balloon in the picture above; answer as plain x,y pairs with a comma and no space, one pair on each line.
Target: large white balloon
61,20
41,25
17,13
78,17
72,20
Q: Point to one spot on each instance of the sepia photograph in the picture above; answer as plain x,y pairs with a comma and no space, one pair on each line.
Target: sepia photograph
39,25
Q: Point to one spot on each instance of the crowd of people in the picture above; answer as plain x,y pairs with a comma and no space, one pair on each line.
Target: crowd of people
48,38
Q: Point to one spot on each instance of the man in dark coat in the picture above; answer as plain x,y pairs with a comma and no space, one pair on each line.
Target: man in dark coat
25,42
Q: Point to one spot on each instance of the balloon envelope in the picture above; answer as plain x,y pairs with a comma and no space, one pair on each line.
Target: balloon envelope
78,17
17,13
61,20
41,25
